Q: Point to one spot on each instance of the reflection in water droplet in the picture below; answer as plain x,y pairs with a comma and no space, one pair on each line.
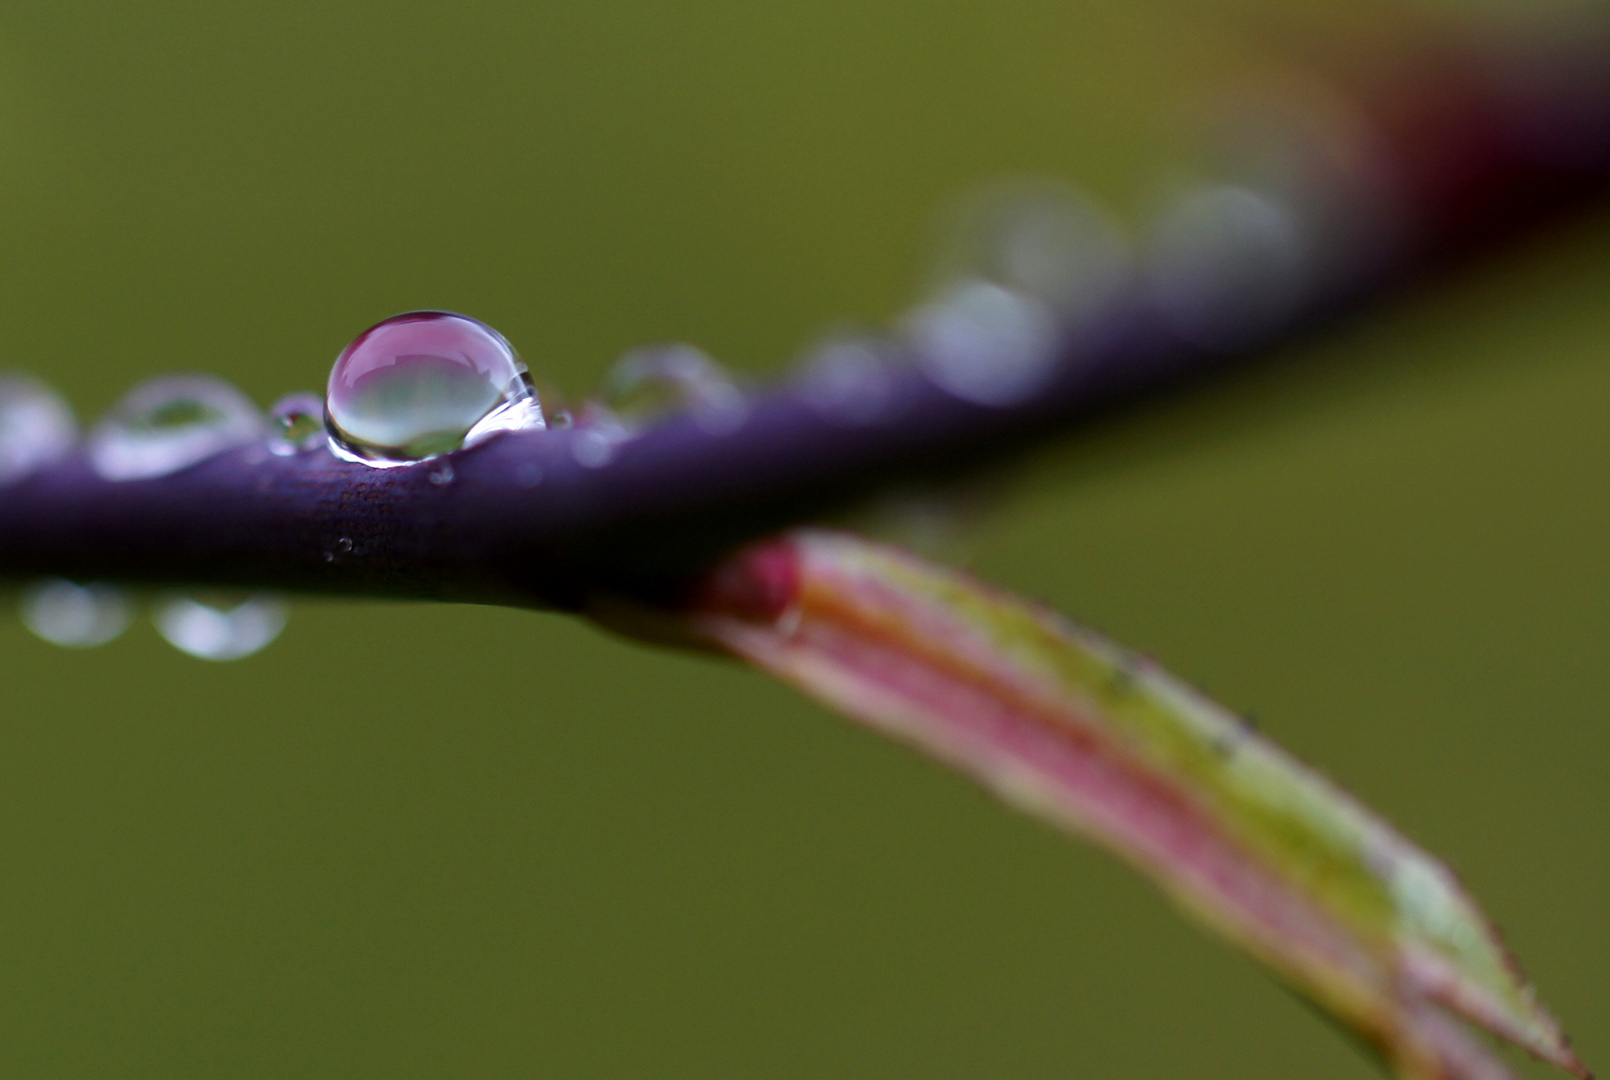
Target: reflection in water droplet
658,379
77,616
848,379
220,631
1229,266
424,384
442,474
984,343
297,423
171,423
36,426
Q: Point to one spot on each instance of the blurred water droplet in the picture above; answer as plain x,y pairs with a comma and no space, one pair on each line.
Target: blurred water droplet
442,474
985,343
36,426
297,423
595,444
848,379
170,423
1229,266
77,616
1041,238
424,384
220,630
651,381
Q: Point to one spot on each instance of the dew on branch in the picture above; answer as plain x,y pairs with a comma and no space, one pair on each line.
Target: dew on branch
75,616
36,426
423,384
297,422
170,423
653,380
218,629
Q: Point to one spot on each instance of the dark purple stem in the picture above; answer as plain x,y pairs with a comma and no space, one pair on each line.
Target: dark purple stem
523,521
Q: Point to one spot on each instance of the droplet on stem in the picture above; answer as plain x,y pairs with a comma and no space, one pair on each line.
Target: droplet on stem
659,379
1039,237
171,423
76,616
1230,266
985,343
297,423
221,630
36,426
424,384
848,378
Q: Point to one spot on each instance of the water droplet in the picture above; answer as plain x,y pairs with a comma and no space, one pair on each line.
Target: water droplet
424,384
595,445
442,474
171,423
1229,266
1038,237
297,422
344,545
220,630
848,379
985,343
658,379
77,616
36,426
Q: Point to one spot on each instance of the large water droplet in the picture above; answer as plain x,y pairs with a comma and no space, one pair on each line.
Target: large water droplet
221,630
171,423
36,426
657,379
424,384
297,423
77,616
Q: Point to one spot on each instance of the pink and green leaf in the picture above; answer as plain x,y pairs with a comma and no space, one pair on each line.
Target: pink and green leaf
1069,727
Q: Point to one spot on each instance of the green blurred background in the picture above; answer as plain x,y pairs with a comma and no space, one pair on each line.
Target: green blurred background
431,841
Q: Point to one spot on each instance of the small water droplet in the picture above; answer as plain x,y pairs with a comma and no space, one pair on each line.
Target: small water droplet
344,545
77,616
36,426
985,343
1229,266
1042,238
220,630
171,423
297,423
658,379
848,379
595,445
442,475
424,384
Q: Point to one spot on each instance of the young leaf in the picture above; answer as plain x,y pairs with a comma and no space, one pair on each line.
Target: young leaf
1063,724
